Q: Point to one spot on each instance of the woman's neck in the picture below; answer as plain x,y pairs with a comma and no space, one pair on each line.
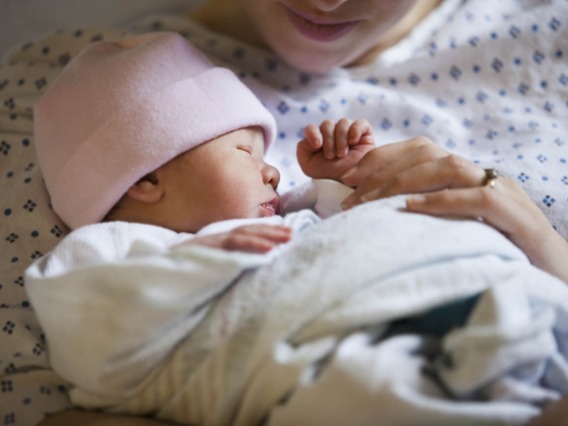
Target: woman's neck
229,18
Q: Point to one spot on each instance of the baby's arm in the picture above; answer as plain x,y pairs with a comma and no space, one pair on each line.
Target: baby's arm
257,238
327,151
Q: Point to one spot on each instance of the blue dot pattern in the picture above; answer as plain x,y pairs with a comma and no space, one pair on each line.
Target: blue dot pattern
488,83
29,389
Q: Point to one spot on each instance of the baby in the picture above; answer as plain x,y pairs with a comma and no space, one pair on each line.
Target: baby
156,159
121,137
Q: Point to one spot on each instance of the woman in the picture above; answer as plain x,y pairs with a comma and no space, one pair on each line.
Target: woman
409,57
319,36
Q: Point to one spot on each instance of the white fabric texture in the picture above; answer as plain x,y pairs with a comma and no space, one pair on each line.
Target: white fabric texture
487,82
203,336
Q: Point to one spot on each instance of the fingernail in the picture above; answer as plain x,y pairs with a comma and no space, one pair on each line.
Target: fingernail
347,203
348,173
370,196
415,200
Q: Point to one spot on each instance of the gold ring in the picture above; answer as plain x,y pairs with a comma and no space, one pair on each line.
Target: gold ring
490,178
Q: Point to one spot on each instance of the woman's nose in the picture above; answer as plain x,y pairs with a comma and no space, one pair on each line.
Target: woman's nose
328,5
270,175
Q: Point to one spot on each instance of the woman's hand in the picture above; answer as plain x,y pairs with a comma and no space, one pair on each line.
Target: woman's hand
446,184
327,151
248,238
555,414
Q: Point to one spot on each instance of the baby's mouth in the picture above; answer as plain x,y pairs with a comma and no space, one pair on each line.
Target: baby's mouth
271,208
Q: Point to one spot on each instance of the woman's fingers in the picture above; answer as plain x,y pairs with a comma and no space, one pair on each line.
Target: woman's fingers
389,159
508,208
446,172
494,205
449,185
417,174
446,184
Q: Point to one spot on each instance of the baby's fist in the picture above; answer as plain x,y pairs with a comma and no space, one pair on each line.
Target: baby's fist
327,151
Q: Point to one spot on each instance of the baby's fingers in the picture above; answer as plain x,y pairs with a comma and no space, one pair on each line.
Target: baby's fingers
313,139
248,243
360,131
327,128
275,233
257,238
341,138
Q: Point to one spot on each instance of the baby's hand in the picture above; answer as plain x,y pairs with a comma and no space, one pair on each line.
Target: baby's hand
248,238
328,151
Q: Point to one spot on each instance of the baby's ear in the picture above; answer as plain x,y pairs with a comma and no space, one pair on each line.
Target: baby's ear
147,189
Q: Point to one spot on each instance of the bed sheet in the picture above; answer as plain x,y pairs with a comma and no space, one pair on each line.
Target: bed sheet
25,20
28,387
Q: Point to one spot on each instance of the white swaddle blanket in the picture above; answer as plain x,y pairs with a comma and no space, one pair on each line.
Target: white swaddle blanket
329,329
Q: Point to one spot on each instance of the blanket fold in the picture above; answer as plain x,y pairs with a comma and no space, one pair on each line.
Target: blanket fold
406,318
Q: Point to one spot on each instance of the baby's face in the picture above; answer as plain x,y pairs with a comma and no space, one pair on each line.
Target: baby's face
225,178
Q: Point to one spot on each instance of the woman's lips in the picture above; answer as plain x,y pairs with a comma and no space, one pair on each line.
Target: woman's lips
319,29
272,207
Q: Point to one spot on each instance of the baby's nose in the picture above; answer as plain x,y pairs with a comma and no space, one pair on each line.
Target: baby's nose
271,175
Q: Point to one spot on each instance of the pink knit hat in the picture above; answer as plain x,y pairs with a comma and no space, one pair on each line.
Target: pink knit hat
122,109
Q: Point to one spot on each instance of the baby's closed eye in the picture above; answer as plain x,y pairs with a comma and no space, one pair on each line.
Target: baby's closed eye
245,148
